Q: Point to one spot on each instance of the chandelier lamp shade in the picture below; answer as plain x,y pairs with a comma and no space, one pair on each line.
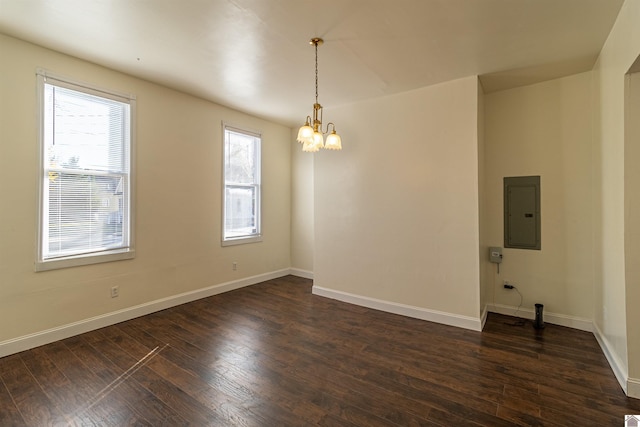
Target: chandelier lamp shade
311,134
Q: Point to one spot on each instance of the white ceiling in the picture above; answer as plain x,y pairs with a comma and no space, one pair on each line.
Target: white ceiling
253,55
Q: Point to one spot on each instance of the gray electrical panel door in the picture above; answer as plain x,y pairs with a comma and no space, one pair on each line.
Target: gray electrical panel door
522,212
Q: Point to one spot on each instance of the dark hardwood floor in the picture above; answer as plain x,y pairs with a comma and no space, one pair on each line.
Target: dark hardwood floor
275,355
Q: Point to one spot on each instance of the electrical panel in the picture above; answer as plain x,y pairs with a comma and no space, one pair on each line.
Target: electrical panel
522,212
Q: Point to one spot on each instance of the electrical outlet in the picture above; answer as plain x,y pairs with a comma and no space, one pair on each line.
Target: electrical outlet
234,266
508,285
115,291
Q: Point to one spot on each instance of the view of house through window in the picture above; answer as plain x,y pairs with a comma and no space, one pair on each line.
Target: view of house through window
241,208
85,206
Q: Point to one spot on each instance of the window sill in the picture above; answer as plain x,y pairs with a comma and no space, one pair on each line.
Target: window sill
241,240
78,260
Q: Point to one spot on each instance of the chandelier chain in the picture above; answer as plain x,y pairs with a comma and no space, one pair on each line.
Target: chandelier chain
316,45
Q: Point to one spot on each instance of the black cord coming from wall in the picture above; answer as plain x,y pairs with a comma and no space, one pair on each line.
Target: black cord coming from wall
520,322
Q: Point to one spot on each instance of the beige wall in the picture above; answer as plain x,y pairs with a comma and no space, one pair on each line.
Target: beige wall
396,211
616,315
632,229
543,129
614,291
178,215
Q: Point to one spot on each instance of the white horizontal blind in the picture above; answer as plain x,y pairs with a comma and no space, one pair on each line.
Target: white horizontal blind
86,176
242,184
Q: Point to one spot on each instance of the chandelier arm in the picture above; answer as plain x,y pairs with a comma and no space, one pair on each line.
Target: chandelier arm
330,124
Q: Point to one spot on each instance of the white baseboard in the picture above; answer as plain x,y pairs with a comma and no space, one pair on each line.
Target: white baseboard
483,317
302,273
619,368
633,388
26,342
554,318
465,322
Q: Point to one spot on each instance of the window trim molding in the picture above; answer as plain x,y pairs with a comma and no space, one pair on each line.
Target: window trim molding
254,238
40,264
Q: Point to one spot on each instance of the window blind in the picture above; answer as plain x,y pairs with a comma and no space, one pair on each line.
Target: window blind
86,162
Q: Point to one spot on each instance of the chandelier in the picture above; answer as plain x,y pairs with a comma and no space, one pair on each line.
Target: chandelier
311,135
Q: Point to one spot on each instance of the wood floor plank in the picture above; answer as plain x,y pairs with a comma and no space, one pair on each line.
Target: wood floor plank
58,388
296,389
488,407
9,414
240,364
275,354
308,345
123,382
215,377
111,408
183,403
34,406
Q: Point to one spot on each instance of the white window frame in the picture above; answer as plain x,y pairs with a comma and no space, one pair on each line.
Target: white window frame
128,250
257,235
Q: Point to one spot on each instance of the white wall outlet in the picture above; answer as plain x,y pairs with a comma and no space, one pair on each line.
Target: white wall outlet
234,266
115,291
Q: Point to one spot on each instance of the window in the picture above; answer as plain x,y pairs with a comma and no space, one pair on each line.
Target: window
85,175
241,204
